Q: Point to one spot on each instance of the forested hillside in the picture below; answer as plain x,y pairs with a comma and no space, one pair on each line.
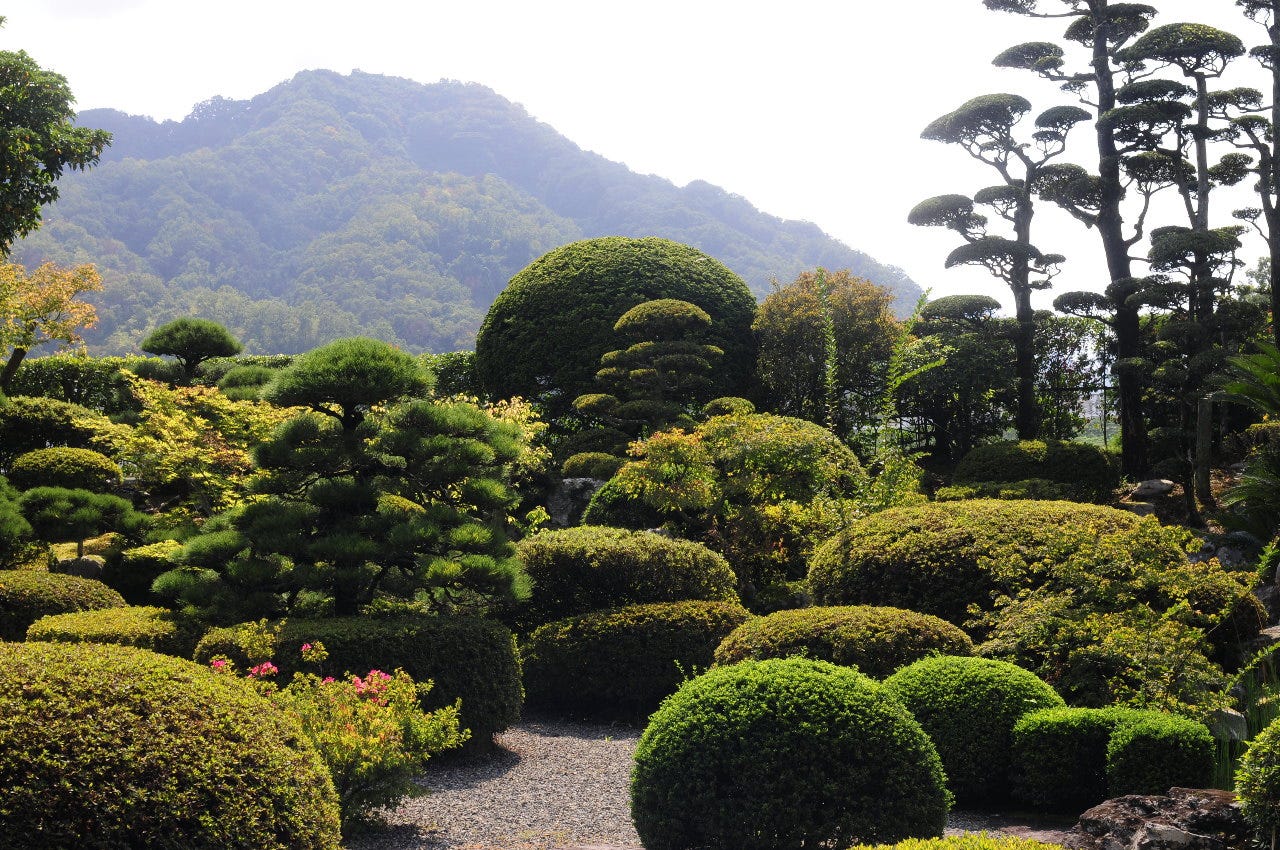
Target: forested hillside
339,205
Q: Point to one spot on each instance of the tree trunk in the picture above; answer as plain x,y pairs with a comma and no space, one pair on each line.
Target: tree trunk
11,368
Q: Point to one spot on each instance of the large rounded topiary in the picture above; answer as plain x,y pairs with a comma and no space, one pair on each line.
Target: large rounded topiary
876,640
621,663
28,595
109,747
784,753
61,466
547,330
1089,471
969,707
146,627
576,570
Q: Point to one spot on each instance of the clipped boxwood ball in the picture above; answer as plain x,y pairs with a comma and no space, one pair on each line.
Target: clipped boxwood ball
622,663
576,570
28,595
549,327
1090,472
111,746
1150,752
784,753
60,466
145,627
969,707
875,640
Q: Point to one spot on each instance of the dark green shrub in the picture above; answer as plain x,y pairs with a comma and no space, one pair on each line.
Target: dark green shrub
576,570
244,383
1090,472
145,627
61,515
61,466
215,369
875,640
549,327
1030,488
455,372
135,569
98,383
1258,782
27,595
784,753
622,663
967,841
191,341
467,657
14,528
1151,752
591,465
603,440
612,507
110,747
157,369
969,707
29,423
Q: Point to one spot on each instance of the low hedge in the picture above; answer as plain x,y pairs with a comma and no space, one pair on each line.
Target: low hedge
145,627
134,570
109,747
467,657
876,640
62,466
622,663
969,707
1030,488
28,595
1090,472
577,570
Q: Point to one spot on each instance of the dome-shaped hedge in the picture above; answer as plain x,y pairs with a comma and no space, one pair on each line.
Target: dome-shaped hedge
784,753
549,327
969,707
145,627
109,747
61,466
576,570
876,640
622,663
1089,471
28,595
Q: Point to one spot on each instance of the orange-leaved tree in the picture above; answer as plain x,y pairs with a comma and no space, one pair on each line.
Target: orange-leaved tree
42,307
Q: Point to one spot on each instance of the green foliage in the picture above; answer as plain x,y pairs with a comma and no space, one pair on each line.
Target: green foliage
147,627
877,641
968,707
576,570
622,663
455,372
27,595
97,383
60,515
245,383
14,528
60,466
134,571
1151,753
1037,489
728,406
1090,472
28,423
191,341
1258,782
596,465
345,378
784,754
177,732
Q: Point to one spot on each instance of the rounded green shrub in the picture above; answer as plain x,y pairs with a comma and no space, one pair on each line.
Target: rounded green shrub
135,569
244,383
62,466
591,465
728,406
967,841
550,326
1030,488
467,657
146,627
876,640
30,422
784,753
622,663
108,747
1150,752
28,595
1258,782
576,570
1090,472
969,707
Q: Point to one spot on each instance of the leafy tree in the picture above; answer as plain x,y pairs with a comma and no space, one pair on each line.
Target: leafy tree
61,515
40,308
191,342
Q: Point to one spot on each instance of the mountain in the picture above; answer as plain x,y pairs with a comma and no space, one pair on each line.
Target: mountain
338,205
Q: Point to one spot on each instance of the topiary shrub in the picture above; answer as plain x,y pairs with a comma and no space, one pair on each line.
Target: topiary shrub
969,707
875,640
1258,782
728,406
784,753
550,326
1063,757
1090,472
967,841
61,466
109,747
596,465
622,663
245,383
146,627
135,569
27,595
470,658
28,423
576,570
1030,488
98,383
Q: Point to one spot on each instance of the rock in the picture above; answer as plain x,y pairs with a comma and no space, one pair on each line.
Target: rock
90,566
1139,508
1152,488
1227,724
568,500
1186,819
1265,638
1269,596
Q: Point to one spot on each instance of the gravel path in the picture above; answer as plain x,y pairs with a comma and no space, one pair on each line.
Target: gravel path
554,785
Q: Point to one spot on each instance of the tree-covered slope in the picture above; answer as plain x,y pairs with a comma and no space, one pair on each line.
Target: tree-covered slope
336,205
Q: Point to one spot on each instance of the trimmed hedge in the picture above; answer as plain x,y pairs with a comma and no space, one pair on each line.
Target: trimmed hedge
969,707
62,466
622,663
1091,473
589,568
28,595
876,640
596,465
784,753
145,627
109,747
467,657
1030,488
28,423
1074,758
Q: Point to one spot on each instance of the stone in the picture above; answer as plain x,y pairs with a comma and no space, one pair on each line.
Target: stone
90,566
1227,724
568,500
1139,508
1185,819
1151,488
1268,637
1269,596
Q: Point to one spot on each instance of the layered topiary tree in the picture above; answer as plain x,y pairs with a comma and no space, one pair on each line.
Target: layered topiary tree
191,342
62,515
545,334
61,466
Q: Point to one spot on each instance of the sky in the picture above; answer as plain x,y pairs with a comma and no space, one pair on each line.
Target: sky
810,109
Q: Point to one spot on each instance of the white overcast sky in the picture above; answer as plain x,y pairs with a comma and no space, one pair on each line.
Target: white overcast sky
810,109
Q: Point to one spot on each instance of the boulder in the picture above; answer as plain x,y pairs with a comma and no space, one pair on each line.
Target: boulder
90,566
1152,488
1185,819
568,500
1139,508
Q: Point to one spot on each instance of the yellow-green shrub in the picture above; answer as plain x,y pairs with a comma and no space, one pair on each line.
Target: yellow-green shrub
146,627
28,595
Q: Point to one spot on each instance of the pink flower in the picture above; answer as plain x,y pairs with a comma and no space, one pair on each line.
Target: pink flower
326,680
266,668
306,647
219,664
